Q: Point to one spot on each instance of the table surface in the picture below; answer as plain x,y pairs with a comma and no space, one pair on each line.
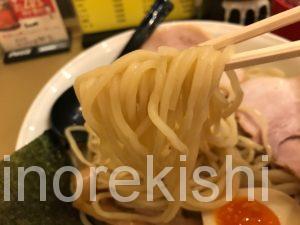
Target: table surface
19,85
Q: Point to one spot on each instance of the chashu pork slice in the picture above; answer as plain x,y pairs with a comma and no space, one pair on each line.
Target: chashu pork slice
278,100
180,36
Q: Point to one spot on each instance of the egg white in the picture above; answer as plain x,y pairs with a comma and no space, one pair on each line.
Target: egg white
282,205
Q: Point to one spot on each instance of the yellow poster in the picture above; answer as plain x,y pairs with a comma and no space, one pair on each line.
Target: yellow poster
103,15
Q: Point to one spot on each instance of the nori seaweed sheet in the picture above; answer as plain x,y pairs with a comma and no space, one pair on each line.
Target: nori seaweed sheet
46,153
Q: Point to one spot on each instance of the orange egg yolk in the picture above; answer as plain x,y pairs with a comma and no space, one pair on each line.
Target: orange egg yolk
243,212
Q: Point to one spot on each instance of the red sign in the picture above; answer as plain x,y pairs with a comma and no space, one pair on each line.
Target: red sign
28,23
8,19
31,8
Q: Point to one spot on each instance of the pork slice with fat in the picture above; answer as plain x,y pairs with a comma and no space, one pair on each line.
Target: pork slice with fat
180,36
278,100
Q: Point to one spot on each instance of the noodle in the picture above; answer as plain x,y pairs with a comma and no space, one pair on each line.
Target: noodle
165,104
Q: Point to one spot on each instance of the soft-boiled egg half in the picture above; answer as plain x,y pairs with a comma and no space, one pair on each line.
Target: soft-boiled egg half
280,209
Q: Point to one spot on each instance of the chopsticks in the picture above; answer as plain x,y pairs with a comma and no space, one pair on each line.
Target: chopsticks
264,55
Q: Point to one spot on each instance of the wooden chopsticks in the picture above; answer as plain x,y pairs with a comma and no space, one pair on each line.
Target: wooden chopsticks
274,53
264,55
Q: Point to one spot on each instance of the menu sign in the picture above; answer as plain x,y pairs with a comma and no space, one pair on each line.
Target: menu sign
117,14
30,23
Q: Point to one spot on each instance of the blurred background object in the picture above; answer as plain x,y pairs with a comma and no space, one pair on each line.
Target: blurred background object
95,16
293,2
66,8
95,20
30,28
291,32
101,19
235,11
246,11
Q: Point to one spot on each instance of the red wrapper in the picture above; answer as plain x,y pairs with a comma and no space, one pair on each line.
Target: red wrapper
291,32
